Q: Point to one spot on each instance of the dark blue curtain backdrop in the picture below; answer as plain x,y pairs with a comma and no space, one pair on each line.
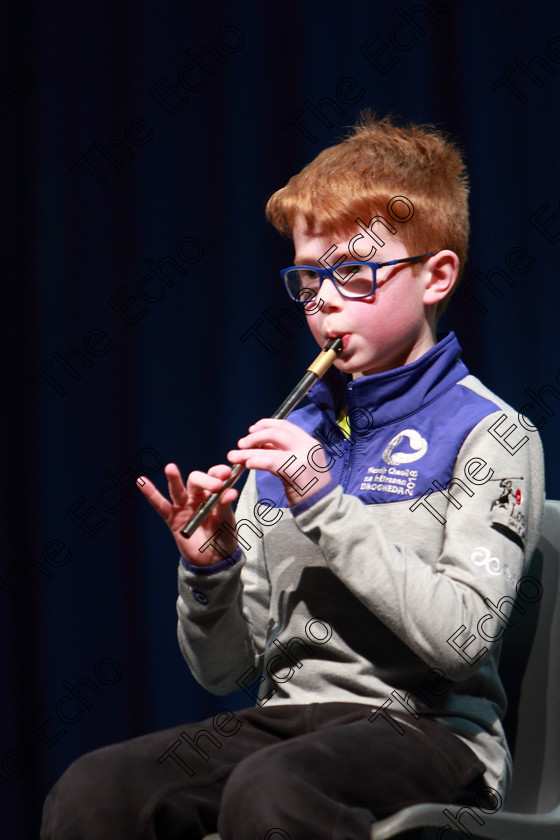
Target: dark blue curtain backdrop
140,141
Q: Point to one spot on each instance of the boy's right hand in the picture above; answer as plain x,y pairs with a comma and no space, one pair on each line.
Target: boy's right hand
185,501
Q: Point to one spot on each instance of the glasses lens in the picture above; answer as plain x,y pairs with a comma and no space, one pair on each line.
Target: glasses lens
354,279
299,279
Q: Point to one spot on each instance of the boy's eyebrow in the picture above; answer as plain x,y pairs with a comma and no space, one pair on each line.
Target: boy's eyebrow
298,260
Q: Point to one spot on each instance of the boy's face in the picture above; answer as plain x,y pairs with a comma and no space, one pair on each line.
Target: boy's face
384,331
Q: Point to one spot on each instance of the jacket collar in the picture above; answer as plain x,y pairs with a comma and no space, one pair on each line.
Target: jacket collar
394,394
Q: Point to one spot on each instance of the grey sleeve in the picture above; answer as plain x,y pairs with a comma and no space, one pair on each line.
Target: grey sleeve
223,611
448,599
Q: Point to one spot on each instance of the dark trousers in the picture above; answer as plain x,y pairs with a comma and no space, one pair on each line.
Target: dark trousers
305,772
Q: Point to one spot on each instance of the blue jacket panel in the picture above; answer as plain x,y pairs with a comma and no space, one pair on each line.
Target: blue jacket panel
407,427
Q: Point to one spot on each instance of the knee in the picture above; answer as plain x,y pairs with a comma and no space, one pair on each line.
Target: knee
254,797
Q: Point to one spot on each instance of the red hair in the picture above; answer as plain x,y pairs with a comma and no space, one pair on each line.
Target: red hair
375,162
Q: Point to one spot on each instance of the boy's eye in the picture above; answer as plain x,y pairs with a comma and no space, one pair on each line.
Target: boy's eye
356,279
308,279
307,274
346,272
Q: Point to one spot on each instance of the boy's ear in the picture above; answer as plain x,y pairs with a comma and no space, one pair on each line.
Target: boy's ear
440,275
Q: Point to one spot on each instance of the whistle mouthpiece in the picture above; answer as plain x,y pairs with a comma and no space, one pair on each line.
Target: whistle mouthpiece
326,357
334,344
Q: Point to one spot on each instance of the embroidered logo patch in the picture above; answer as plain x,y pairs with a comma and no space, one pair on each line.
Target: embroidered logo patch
415,441
482,556
507,510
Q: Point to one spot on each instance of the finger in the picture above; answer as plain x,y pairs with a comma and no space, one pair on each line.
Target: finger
273,437
228,496
258,459
274,423
177,488
222,471
202,484
173,469
175,485
152,494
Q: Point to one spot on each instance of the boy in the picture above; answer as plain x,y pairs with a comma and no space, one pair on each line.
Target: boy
360,591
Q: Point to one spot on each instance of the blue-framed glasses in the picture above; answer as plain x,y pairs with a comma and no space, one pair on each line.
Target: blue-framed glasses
352,280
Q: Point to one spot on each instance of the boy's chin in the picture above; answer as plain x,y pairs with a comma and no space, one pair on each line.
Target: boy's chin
358,364
369,367
348,367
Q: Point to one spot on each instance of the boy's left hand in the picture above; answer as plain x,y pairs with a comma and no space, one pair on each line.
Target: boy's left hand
283,449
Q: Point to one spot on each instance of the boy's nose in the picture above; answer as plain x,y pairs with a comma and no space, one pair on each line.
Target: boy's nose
330,294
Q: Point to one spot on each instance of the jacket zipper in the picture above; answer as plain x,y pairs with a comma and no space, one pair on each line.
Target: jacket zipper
346,468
